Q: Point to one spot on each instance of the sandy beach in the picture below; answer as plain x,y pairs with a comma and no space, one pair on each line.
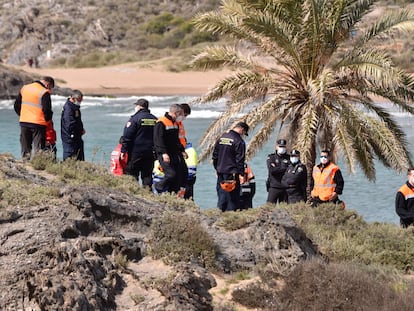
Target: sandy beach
132,79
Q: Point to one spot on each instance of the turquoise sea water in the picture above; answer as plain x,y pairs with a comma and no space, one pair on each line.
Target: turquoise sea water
104,119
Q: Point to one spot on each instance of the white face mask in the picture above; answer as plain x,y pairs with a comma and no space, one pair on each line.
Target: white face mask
294,160
281,150
180,118
324,160
411,180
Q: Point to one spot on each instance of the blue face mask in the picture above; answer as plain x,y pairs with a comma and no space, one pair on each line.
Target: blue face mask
294,160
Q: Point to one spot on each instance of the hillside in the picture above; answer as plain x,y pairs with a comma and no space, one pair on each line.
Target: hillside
59,31
90,33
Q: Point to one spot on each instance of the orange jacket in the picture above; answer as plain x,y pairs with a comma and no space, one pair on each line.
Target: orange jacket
31,111
324,184
118,166
181,134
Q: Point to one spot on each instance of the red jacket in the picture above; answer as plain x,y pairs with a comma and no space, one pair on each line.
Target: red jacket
117,165
50,133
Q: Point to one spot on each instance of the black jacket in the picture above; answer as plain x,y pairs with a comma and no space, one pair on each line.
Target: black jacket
71,126
138,137
166,140
295,179
276,165
229,154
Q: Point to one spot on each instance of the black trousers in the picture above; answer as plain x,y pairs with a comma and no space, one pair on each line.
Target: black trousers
29,136
141,166
276,195
175,174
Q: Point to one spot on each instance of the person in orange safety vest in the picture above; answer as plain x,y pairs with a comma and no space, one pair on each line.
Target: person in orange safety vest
327,182
404,200
34,106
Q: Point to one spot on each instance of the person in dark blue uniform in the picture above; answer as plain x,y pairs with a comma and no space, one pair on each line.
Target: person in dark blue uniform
295,179
277,164
228,160
71,127
138,142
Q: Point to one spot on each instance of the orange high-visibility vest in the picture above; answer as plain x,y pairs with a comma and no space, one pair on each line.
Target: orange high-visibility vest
407,192
181,134
324,184
169,125
31,111
248,174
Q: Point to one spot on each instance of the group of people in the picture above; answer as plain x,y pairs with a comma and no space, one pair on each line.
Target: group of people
287,177
147,138
33,105
156,152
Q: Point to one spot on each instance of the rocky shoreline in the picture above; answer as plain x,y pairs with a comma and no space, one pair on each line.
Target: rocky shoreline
88,249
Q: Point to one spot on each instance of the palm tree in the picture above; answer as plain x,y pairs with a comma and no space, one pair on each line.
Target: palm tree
312,70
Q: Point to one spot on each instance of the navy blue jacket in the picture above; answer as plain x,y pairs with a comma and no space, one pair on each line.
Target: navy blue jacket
71,126
229,154
138,137
277,165
295,179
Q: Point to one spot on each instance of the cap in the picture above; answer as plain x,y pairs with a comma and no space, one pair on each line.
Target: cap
281,142
244,126
295,152
142,102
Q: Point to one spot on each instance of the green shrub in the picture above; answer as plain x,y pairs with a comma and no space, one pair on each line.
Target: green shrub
342,235
180,237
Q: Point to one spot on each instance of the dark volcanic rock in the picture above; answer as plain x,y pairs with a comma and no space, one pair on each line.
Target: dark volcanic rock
11,81
70,254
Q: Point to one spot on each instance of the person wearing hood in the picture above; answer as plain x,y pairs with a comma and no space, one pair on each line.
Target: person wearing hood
277,164
71,127
138,143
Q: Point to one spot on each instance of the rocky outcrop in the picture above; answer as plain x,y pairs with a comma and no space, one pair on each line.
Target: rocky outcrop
11,81
73,253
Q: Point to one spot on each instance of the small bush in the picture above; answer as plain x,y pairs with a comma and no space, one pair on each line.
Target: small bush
233,221
180,237
342,235
315,285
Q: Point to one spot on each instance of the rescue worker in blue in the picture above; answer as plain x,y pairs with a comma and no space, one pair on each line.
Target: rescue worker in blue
34,107
228,160
138,143
404,200
277,164
170,152
295,179
71,127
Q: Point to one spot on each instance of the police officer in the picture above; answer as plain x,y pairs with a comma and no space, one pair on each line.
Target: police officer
295,179
228,160
277,164
138,142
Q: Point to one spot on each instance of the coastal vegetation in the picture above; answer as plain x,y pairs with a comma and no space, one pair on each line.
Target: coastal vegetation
311,71
362,265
